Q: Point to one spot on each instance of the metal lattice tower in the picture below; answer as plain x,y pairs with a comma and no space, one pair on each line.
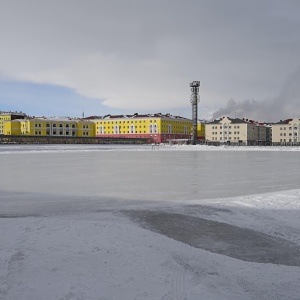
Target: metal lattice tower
194,100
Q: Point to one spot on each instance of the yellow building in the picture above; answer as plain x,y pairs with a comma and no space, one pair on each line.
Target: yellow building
50,127
201,130
156,127
9,116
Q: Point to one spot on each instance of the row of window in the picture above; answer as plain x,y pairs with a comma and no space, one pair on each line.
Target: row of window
229,138
290,140
54,132
60,125
225,126
112,122
290,134
290,128
225,132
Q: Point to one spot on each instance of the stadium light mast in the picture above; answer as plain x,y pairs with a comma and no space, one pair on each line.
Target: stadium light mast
194,100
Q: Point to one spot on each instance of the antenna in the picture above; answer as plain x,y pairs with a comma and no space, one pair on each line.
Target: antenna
194,101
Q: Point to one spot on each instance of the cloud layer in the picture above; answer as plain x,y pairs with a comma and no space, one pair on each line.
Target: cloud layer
285,105
141,55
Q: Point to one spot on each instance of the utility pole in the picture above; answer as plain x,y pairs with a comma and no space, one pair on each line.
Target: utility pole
194,101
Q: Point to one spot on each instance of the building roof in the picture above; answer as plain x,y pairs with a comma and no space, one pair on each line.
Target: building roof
287,121
12,113
137,116
233,120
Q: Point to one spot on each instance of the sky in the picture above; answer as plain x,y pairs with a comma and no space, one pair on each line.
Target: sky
66,57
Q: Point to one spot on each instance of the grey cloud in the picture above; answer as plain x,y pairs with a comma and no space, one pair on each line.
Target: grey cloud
285,105
238,49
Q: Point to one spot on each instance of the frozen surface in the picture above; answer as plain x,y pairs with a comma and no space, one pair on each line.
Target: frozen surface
129,222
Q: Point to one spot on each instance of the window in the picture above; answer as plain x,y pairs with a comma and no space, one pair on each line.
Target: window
47,125
150,128
60,125
116,129
132,128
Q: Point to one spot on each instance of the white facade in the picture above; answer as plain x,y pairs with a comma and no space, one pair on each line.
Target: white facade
286,132
237,131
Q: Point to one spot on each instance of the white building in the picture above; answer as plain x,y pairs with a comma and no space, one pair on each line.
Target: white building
237,131
286,132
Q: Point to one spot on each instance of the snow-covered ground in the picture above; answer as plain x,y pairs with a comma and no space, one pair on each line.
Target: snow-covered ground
67,232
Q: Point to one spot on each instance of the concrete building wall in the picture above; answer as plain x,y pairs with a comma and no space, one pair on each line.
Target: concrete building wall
228,130
153,127
286,132
50,127
9,116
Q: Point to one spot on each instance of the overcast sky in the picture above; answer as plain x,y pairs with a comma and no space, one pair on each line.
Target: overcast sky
62,57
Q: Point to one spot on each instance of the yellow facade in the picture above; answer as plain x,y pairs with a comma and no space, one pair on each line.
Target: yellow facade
12,127
9,116
156,127
50,127
142,126
201,131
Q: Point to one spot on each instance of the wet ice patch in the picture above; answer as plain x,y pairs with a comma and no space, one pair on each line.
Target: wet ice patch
233,241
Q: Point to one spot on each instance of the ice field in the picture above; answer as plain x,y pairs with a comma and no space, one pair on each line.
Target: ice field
143,222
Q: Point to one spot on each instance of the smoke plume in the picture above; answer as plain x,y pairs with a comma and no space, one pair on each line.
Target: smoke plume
285,105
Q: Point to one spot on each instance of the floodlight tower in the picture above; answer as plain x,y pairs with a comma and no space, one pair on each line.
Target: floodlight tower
194,100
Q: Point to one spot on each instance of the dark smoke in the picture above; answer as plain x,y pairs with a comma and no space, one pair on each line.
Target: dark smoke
286,105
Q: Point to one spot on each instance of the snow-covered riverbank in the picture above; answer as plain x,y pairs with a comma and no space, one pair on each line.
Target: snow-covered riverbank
112,254
83,222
